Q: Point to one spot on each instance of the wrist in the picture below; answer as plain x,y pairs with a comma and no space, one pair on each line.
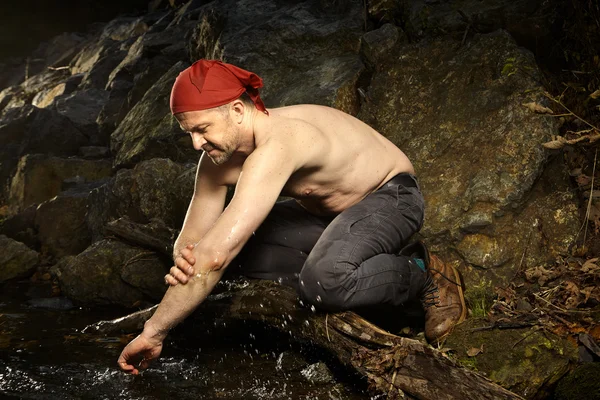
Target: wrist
153,332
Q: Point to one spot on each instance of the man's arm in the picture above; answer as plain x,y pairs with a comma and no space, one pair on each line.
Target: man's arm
206,205
263,176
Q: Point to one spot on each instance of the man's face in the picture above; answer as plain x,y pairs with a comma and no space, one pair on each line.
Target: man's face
212,131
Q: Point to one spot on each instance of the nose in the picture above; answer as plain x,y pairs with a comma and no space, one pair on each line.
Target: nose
198,141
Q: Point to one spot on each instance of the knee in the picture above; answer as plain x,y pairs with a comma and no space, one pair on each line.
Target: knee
319,287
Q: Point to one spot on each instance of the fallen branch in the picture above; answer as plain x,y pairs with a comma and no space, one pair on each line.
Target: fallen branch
392,364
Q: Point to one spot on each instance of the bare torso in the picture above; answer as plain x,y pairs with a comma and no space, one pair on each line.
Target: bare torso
347,159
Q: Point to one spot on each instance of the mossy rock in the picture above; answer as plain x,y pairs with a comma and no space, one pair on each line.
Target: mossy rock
583,383
527,361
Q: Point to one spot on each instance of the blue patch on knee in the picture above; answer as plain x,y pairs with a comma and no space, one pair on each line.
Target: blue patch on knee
420,263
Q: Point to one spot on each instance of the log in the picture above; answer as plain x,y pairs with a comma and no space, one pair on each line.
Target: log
155,235
393,365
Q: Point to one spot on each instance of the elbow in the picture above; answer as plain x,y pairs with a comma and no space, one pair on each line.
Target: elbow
213,259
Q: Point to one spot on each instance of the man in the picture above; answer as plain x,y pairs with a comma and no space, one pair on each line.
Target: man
356,202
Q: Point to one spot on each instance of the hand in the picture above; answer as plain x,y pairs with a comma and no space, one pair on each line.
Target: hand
141,351
183,269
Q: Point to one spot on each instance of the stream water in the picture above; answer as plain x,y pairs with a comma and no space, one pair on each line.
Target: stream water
44,355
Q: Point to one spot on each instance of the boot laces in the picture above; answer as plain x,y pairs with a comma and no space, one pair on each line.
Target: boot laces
431,294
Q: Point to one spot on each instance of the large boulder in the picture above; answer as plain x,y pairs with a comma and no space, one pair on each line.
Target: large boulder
29,129
527,361
149,130
40,177
306,52
457,112
16,259
106,273
60,222
154,189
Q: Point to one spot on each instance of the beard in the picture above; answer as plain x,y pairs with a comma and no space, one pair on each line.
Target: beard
222,153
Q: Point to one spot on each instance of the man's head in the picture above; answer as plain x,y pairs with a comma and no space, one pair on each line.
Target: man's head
208,99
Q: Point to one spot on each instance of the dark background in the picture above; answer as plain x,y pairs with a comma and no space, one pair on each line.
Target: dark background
25,23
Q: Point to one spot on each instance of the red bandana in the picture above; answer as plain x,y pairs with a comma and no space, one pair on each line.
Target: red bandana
210,83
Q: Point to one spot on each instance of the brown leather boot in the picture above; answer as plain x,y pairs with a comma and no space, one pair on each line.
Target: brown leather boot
441,296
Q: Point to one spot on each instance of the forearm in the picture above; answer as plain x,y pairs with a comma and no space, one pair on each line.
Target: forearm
180,301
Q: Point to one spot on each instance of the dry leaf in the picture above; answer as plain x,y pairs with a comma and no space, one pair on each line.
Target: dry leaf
576,172
587,292
571,287
590,265
557,142
538,108
595,95
583,180
474,351
595,194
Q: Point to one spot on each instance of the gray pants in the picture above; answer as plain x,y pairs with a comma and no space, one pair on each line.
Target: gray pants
345,262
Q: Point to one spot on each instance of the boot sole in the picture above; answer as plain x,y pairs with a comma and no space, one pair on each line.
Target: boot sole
463,314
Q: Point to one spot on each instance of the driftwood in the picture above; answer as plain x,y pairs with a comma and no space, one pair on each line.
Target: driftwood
394,365
155,235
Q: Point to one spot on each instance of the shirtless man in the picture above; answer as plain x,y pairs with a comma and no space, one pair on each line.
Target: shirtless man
340,242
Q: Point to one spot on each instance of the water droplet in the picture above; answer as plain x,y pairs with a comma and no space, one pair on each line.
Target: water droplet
302,282
313,309
318,298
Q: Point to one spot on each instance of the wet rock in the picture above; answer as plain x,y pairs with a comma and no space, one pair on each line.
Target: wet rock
40,177
16,259
317,373
528,362
457,113
96,276
52,303
289,362
154,189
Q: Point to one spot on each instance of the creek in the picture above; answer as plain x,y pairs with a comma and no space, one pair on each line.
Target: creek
45,355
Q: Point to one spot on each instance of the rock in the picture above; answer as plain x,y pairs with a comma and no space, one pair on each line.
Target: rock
83,107
582,383
21,227
40,177
33,130
123,28
528,362
149,130
154,189
94,152
457,113
16,259
317,373
95,277
315,44
46,97
60,224
378,44
531,22
51,303
97,60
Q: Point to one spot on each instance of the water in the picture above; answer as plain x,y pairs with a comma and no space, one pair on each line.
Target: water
44,355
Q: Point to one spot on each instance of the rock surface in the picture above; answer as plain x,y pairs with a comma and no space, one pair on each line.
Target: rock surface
16,259
106,273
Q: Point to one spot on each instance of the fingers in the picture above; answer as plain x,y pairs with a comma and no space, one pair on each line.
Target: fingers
184,266
178,275
123,363
169,280
188,255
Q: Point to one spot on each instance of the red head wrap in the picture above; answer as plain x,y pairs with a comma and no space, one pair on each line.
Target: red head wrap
210,83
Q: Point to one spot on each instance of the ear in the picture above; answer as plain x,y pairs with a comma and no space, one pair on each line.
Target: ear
238,109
